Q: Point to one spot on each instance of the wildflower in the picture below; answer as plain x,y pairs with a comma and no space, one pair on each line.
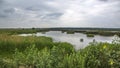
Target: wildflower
111,61
104,47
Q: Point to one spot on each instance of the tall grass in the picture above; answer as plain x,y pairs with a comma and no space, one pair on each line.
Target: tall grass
17,31
9,43
41,52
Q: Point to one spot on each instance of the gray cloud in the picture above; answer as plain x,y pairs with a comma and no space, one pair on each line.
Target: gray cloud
104,0
11,10
5,9
1,2
53,15
61,13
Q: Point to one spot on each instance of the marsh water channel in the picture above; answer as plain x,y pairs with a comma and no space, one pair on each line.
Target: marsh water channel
79,40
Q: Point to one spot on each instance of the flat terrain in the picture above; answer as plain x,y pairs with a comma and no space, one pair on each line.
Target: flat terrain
41,52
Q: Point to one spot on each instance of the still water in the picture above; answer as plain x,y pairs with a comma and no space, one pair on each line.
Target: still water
74,39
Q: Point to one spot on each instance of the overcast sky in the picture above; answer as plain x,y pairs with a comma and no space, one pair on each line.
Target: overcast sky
59,13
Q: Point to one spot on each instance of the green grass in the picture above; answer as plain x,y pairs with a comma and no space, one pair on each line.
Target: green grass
42,52
70,32
103,33
9,43
17,31
90,35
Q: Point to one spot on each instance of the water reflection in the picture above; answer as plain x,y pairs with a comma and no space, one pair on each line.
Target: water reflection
79,40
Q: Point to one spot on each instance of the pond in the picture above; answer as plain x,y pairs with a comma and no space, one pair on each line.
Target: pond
79,40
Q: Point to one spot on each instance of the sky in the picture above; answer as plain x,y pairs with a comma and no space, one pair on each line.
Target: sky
59,13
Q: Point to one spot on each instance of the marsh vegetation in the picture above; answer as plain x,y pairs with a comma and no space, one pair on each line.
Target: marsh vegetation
41,52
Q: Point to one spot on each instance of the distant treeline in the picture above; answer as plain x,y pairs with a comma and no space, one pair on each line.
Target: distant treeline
73,29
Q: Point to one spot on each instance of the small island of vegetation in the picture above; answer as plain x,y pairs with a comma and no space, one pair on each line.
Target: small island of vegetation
90,35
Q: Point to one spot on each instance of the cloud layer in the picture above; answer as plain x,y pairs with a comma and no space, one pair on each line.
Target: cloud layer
59,13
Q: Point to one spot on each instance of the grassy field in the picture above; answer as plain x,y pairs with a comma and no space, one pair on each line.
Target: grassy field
42,52
17,31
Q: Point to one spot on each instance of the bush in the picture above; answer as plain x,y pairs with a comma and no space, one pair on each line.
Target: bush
90,35
41,52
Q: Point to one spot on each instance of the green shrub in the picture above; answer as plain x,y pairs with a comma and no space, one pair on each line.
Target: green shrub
42,52
90,35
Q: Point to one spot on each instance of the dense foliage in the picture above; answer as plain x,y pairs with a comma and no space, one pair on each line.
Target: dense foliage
42,52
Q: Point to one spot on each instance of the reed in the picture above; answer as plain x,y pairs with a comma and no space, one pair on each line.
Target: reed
42,52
